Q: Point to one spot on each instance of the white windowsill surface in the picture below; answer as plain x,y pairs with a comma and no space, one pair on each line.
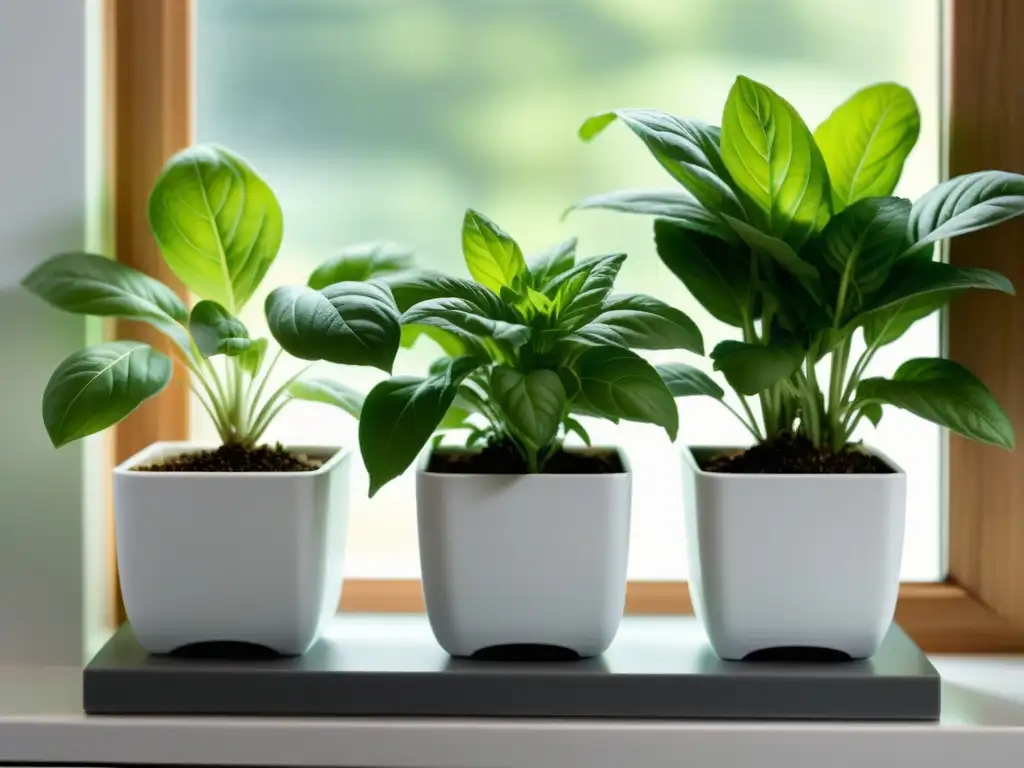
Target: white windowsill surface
982,724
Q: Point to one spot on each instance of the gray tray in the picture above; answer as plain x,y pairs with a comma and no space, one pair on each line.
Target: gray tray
658,667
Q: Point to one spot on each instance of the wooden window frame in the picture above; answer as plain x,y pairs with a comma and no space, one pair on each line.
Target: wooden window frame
979,608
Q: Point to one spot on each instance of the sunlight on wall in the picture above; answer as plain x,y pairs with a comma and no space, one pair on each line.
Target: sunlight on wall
380,119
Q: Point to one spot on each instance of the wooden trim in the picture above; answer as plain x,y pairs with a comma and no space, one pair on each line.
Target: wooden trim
986,331
149,117
942,618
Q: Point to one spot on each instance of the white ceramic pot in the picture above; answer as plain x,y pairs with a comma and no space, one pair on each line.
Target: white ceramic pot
786,561
524,559
253,557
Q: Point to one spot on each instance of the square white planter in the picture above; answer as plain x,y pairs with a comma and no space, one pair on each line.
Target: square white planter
249,557
524,559
793,560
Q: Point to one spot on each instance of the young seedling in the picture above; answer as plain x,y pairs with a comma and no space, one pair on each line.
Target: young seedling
795,240
219,228
529,347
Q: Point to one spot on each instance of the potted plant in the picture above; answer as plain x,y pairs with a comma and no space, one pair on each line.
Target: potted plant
795,240
523,540
243,542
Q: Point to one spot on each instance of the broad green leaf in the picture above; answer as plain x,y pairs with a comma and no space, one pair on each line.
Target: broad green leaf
218,224
252,358
573,427
913,279
319,389
216,331
780,252
532,403
579,292
886,325
97,387
399,416
88,284
685,381
361,262
716,273
773,159
553,261
641,322
753,368
672,204
451,344
872,412
866,140
413,287
492,256
945,393
687,149
346,323
860,245
964,204
460,315
619,384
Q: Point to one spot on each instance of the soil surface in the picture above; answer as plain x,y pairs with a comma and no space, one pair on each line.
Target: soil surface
236,458
795,455
504,459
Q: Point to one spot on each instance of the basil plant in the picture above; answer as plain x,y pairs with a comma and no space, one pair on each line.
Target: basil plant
219,228
795,239
529,347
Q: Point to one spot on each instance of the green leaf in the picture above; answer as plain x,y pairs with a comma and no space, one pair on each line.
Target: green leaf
672,204
319,389
493,257
887,325
861,243
687,149
716,273
216,331
416,286
97,387
773,159
866,140
872,412
347,323
641,322
455,418
461,315
913,279
87,284
945,393
574,427
451,344
553,261
399,416
619,384
579,292
252,358
685,381
965,204
753,368
532,403
781,252
218,224
361,262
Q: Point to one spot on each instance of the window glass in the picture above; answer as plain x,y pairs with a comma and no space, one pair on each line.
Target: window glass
385,119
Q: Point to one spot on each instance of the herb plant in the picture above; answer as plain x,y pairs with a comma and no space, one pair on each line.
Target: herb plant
530,346
796,240
219,228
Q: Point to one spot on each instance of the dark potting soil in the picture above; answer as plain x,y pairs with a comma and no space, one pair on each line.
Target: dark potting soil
504,459
795,455
236,458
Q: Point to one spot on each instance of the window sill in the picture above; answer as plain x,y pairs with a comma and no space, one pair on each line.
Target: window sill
41,722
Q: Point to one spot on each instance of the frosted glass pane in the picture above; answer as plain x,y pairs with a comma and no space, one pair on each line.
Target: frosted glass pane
387,118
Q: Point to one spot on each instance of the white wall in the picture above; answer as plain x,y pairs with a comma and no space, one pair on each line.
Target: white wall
47,127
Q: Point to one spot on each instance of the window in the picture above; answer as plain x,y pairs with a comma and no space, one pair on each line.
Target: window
387,118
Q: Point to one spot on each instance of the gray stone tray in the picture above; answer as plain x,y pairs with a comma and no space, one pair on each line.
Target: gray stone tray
658,667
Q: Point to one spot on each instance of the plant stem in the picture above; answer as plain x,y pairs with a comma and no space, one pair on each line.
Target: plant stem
531,460
836,402
813,409
750,425
265,421
254,402
280,392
